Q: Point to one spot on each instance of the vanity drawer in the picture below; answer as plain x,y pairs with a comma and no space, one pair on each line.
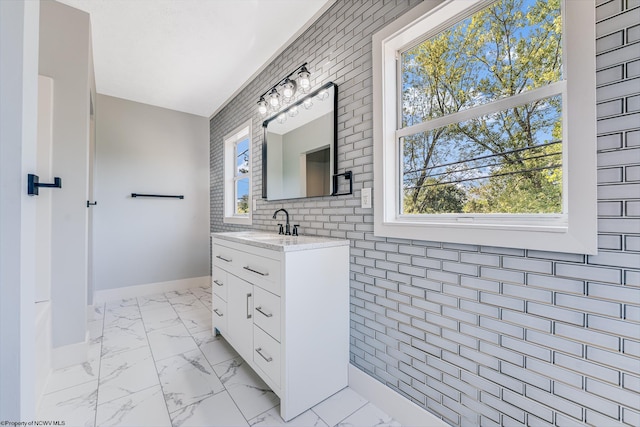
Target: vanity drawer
219,283
219,314
267,312
223,257
267,354
259,270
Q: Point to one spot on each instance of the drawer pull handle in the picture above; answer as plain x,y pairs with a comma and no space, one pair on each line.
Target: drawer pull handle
218,283
248,309
267,358
223,258
255,271
217,312
259,310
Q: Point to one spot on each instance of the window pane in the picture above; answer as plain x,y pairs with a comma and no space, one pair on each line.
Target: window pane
242,157
507,48
506,162
242,196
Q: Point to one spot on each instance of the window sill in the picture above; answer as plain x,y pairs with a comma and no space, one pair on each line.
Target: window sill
237,220
555,238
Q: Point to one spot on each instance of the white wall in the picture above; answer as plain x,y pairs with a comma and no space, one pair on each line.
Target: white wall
18,112
146,149
65,56
295,143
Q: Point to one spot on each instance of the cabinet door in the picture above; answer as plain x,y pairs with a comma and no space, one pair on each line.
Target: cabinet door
240,313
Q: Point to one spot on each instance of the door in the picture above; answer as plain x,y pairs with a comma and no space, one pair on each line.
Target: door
240,316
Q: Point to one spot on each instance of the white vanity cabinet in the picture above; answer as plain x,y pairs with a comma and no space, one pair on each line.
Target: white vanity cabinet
282,302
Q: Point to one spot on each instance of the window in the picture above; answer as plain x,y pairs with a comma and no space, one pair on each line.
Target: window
237,172
484,124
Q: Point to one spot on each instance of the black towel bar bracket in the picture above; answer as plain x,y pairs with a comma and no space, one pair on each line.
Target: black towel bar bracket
34,183
164,196
348,175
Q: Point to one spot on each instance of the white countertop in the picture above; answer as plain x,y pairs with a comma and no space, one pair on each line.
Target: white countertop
280,242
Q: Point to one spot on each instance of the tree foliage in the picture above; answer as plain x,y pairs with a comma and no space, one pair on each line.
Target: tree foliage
243,205
507,160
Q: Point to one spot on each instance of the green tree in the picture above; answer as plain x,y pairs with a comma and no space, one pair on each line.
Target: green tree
506,49
243,204
434,198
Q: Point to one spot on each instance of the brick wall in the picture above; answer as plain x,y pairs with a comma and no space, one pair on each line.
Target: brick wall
477,335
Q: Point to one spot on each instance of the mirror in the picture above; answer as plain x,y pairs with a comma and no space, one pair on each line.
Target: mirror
299,149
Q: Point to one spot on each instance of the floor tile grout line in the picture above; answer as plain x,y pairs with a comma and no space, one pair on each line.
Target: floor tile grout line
344,419
214,372
155,368
100,370
236,403
95,412
153,358
191,334
155,362
152,361
318,415
223,385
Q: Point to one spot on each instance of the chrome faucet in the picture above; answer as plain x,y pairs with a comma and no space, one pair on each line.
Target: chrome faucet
288,231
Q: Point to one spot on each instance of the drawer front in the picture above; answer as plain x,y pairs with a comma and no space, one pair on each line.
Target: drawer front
267,312
219,314
219,282
267,354
259,270
223,257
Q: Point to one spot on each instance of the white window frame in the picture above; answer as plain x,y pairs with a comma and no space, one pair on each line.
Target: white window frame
230,142
573,231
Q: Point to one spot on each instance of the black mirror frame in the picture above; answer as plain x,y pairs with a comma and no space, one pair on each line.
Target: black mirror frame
335,137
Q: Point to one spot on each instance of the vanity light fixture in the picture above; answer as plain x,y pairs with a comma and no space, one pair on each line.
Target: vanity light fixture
304,78
288,89
262,106
274,99
284,92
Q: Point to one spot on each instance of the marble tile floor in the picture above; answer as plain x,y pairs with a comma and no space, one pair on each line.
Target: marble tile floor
153,361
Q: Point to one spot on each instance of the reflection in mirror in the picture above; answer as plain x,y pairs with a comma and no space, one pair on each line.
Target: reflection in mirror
299,151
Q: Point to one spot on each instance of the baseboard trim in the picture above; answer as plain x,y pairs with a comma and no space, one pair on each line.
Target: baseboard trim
135,291
69,355
397,406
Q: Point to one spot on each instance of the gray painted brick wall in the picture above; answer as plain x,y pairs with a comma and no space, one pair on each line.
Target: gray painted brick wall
477,335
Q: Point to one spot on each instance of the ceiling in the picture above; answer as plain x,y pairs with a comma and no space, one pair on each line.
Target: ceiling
189,55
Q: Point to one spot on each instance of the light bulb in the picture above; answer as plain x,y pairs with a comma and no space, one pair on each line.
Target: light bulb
274,98
282,118
304,79
293,111
262,106
288,89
